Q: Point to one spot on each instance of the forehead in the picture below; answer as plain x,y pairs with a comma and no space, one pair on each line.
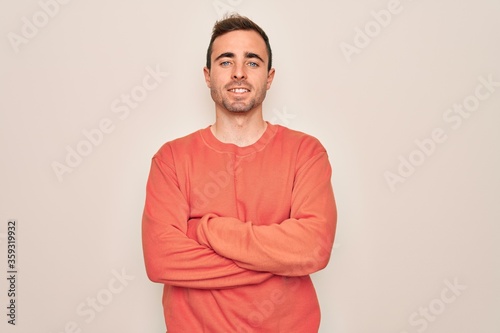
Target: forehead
239,41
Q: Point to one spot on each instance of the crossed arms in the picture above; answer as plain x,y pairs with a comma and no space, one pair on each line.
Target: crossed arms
215,252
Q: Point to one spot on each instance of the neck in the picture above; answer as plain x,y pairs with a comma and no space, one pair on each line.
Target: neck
241,129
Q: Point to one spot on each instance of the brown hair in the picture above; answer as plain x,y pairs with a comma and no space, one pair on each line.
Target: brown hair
236,22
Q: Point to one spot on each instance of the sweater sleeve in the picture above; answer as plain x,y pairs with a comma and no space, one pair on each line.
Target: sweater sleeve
170,256
299,245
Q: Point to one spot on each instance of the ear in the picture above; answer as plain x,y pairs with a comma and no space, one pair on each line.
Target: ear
270,78
206,73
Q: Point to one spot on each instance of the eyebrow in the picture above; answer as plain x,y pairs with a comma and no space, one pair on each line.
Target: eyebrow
225,55
248,55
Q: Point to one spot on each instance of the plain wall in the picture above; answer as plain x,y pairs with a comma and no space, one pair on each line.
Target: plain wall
404,95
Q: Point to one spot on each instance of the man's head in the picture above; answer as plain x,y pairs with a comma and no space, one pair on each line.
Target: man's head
233,23
238,70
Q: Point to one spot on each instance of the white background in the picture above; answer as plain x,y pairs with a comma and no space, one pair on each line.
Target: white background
399,245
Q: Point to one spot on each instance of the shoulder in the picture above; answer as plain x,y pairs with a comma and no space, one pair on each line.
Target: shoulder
303,142
179,147
303,148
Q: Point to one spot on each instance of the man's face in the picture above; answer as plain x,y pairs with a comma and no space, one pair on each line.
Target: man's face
238,78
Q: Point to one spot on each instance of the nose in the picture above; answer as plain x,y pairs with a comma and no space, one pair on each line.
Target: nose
239,72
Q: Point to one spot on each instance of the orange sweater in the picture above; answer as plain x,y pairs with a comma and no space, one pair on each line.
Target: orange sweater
234,232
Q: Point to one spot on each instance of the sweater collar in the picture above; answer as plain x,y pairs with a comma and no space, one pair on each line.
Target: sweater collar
214,143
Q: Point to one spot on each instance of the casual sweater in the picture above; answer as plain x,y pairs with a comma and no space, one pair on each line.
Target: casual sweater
234,232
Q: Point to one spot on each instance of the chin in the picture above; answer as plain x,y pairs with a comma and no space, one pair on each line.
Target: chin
239,108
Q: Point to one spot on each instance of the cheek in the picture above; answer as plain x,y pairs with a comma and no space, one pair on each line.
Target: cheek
216,82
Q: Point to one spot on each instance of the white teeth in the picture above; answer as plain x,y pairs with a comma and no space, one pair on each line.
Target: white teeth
239,90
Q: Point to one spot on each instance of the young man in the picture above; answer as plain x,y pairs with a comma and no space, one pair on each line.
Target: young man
238,214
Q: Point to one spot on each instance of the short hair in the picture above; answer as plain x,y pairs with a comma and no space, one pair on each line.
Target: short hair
236,22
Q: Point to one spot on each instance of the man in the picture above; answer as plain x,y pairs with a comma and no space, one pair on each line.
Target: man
238,214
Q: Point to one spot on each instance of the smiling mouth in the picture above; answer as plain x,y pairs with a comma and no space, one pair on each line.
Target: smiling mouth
239,90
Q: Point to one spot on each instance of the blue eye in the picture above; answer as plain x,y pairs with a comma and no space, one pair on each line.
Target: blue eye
253,64
225,63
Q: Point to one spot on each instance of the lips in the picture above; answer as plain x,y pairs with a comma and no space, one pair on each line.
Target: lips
239,90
